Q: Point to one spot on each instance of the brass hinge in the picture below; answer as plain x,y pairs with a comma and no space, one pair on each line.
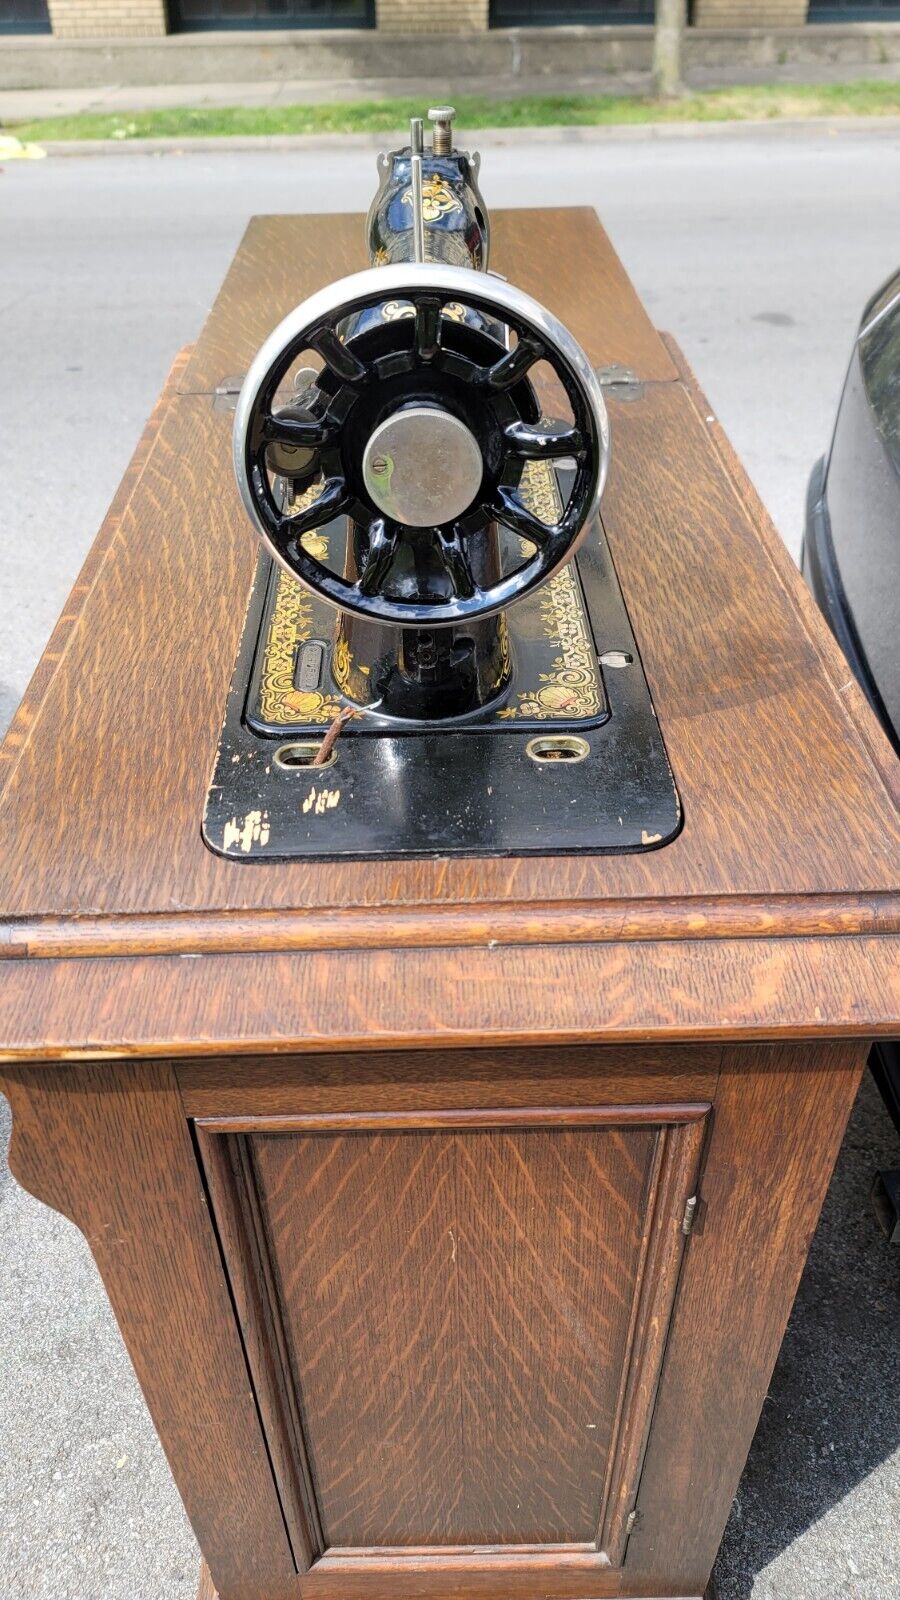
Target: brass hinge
690,1215
630,1521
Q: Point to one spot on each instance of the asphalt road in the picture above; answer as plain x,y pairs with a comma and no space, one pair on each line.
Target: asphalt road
757,250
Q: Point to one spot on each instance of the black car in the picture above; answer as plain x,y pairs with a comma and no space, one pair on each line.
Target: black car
851,545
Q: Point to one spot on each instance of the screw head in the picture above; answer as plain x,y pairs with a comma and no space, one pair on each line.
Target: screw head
380,464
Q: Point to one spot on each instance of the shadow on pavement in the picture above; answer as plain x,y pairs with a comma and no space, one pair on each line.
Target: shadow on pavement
833,1411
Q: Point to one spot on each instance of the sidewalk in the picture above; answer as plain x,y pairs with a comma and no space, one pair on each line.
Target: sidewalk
22,105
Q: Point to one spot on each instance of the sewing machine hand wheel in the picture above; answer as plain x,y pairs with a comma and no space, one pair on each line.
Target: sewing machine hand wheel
418,428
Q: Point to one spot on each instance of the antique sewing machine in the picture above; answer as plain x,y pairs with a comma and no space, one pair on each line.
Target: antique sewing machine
435,584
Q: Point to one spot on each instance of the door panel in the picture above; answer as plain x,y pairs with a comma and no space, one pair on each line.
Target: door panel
464,1321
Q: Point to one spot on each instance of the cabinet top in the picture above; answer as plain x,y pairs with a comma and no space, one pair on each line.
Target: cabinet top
775,911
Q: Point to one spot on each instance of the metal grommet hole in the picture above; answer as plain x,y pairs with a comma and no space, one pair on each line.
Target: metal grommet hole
617,658
303,754
558,747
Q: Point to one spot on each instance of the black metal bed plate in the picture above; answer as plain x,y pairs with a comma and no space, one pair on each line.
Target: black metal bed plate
298,665
471,789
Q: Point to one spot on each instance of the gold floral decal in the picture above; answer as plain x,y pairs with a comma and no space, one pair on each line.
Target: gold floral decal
341,663
438,199
505,663
394,310
280,701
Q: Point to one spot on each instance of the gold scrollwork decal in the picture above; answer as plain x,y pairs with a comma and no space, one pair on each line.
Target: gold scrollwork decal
438,199
396,310
291,625
569,691
573,688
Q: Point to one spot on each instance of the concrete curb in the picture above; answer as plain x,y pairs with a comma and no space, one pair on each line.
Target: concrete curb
882,126
36,62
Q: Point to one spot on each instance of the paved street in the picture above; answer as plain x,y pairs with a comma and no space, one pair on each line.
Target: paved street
756,249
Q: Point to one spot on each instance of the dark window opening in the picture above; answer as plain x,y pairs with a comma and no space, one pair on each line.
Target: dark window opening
550,13
190,15
854,10
24,16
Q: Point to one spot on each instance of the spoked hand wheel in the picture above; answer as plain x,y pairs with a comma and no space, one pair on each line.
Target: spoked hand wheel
418,428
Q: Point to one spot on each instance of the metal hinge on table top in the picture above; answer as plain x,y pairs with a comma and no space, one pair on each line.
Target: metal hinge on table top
623,383
226,394
227,390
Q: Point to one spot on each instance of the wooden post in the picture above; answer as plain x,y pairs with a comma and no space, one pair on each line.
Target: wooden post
671,21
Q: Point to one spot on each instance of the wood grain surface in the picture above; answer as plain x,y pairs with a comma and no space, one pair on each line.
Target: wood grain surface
423,1081
205,1590
448,926
663,1246
780,796
791,839
231,1182
576,1576
282,259
380,1000
459,1351
833,659
457,1120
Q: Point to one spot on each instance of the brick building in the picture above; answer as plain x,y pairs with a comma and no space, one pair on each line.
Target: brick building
85,19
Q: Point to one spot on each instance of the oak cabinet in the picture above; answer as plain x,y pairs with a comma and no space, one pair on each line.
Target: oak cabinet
451,1210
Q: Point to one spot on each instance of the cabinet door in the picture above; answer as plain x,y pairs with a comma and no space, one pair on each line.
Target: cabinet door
455,1323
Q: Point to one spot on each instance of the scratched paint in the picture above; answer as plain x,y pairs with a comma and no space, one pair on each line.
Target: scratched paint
249,830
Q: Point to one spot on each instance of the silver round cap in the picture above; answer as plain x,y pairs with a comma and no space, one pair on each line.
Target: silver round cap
422,467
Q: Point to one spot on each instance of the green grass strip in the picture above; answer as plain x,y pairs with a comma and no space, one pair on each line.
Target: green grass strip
762,102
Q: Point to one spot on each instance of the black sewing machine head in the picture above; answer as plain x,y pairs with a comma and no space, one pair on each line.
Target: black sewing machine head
425,669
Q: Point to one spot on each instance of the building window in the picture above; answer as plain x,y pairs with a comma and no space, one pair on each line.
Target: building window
187,15
854,10
24,16
550,13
